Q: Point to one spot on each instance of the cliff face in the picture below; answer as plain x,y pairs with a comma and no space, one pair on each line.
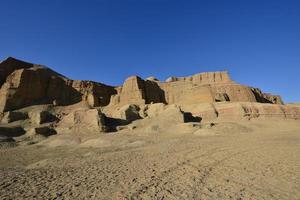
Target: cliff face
28,84
23,84
200,88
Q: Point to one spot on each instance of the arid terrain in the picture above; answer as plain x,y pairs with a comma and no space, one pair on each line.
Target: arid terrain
249,160
197,137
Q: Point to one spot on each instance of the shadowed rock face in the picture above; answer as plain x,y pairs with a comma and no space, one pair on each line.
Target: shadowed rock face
10,65
24,84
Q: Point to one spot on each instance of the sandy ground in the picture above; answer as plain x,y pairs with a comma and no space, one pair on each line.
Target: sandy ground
249,160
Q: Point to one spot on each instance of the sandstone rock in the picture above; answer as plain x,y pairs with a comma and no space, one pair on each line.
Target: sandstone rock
127,112
24,84
160,118
82,121
133,91
95,94
206,111
235,111
165,113
35,85
137,91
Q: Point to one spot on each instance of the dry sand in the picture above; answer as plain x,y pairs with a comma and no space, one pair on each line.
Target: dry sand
248,160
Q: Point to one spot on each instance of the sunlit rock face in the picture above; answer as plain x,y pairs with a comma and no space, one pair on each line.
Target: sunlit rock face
25,84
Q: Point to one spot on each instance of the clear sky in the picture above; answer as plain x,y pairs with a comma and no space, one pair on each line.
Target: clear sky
258,42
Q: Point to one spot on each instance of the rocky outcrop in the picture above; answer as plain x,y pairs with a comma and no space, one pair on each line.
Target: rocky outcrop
28,84
137,91
36,102
82,121
233,111
266,97
9,65
36,85
24,84
95,94
128,113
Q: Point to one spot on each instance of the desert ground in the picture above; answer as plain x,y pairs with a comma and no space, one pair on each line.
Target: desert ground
245,160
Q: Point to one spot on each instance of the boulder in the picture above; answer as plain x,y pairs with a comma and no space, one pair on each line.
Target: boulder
128,113
165,113
82,121
160,117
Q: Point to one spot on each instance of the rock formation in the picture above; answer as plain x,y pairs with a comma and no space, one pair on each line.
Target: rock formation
28,84
36,100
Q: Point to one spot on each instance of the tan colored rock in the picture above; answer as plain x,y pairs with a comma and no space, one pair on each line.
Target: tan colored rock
82,121
206,111
137,91
133,91
24,84
234,111
127,112
36,85
160,118
165,113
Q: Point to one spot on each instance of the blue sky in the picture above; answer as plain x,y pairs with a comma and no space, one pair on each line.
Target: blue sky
258,42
